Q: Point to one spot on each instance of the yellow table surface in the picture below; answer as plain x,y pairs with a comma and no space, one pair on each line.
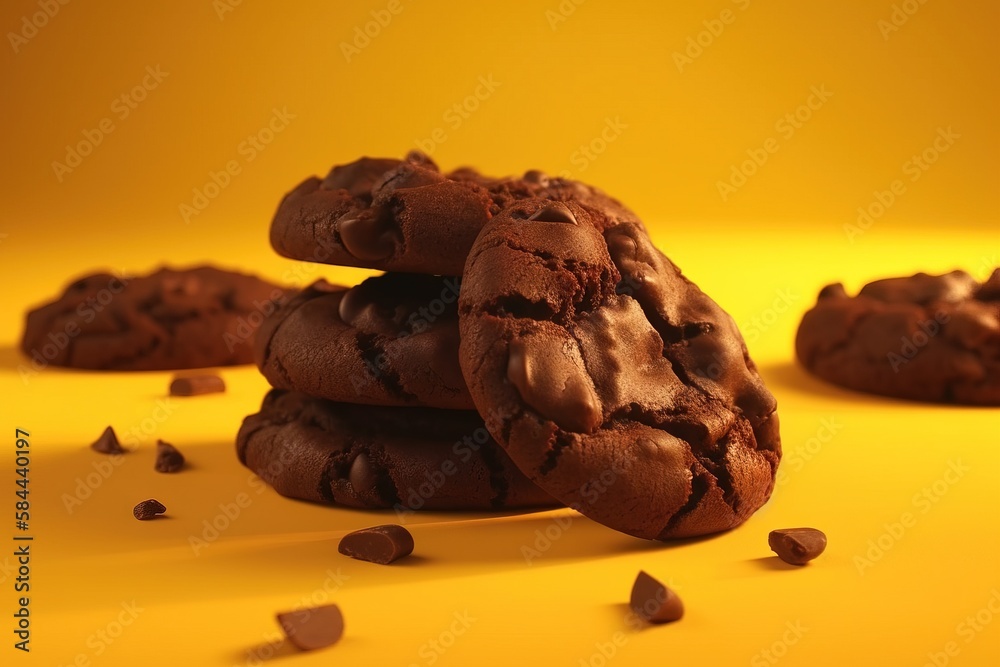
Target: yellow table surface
770,147
906,492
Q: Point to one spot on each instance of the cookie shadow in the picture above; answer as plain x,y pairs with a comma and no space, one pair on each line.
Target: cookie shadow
773,564
11,357
266,652
631,622
790,376
536,540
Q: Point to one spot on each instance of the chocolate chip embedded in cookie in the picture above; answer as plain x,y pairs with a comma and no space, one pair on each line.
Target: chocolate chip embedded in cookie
392,340
169,319
924,337
611,380
379,457
407,216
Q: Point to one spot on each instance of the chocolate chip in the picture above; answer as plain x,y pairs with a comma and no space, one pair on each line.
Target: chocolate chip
553,381
369,236
168,458
421,158
797,546
314,627
554,212
404,176
378,544
363,478
353,304
990,289
195,385
834,291
108,443
537,177
653,601
148,509
358,177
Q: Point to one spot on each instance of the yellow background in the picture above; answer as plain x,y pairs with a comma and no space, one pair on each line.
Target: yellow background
762,253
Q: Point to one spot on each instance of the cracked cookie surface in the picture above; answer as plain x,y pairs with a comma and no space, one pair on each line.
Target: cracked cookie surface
923,337
169,319
408,216
380,457
392,340
611,380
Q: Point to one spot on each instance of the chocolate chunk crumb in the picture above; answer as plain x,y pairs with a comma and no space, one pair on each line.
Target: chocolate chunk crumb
378,544
653,601
797,546
195,385
108,443
314,627
168,458
148,509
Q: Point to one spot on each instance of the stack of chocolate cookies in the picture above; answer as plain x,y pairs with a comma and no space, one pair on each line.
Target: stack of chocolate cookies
527,346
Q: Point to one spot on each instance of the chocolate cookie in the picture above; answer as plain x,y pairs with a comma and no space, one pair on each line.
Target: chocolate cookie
392,340
169,319
378,457
610,379
407,216
925,338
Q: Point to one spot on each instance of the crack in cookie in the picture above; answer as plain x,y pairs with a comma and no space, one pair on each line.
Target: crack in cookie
608,364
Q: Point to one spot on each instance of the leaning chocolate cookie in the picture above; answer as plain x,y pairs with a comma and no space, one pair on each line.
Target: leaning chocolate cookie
169,319
407,216
925,338
392,340
379,457
610,379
